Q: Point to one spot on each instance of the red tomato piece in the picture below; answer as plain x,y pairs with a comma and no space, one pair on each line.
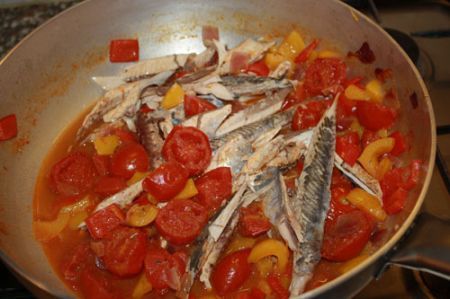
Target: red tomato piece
124,252
128,159
194,105
75,174
374,116
259,68
400,145
252,222
346,237
405,177
231,272
214,187
299,167
124,50
344,113
189,147
124,135
8,127
323,273
348,147
102,222
96,286
181,220
295,97
239,61
325,76
306,52
77,261
102,164
145,109
309,115
162,269
395,202
368,137
107,186
142,200
275,284
254,293
166,181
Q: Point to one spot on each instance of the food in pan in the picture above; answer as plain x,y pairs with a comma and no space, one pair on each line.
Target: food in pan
262,170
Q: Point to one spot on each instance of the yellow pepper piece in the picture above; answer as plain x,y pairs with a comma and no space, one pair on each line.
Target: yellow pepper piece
384,166
46,230
270,247
383,133
347,266
240,243
188,191
265,266
142,287
76,219
173,97
137,176
353,92
366,202
356,127
272,60
373,151
141,215
106,145
376,91
328,54
292,45
265,287
313,55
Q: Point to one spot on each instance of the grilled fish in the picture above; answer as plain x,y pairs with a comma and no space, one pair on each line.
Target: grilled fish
252,85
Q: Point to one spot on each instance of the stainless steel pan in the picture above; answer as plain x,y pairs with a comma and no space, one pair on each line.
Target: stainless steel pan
46,81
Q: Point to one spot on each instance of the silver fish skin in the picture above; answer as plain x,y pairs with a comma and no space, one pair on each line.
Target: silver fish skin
254,113
209,121
308,209
253,85
274,197
149,135
206,242
234,148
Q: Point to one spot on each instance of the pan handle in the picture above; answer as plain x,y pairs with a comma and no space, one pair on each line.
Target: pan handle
425,248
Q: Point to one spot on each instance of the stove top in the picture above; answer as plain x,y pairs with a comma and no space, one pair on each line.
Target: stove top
424,28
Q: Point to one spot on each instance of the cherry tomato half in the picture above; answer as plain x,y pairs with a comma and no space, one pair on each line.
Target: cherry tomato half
8,127
124,50
259,68
214,187
309,115
181,221
102,222
348,147
253,222
124,251
128,159
166,181
346,236
374,116
75,174
107,186
94,285
161,267
231,272
189,147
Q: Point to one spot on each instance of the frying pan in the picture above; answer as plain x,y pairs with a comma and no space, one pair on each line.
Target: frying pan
46,82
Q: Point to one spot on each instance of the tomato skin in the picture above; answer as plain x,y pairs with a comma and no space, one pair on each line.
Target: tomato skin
124,50
404,177
102,164
124,135
160,266
309,115
107,186
344,113
348,147
194,105
76,262
259,68
252,222
254,293
306,52
276,286
102,222
325,76
128,159
166,181
8,127
400,145
368,137
231,272
181,221
189,147
124,251
374,116
96,286
214,187
295,97
73,175
346,236
395,202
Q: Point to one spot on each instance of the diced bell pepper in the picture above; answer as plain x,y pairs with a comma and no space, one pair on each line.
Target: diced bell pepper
270,247
173,97
369,158
367,203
